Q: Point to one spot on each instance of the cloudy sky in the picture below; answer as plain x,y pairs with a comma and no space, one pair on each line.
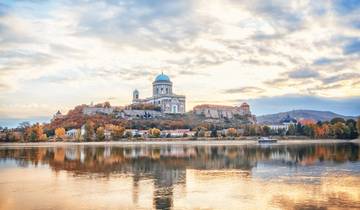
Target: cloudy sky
278,55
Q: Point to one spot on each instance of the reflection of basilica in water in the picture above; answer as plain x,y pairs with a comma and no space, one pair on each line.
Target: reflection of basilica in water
166,165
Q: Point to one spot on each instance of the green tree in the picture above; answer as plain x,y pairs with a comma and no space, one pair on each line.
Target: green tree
309,131
351,124
266,130
214,133
299,129
336,120
291,130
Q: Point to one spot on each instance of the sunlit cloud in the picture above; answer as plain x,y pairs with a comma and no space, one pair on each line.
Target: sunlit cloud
64,53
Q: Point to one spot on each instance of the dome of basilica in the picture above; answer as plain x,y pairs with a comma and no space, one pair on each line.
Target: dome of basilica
162,77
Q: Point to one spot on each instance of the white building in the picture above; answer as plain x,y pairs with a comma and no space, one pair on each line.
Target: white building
163,96
72,133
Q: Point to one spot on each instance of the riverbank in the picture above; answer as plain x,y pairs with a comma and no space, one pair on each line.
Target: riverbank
174,142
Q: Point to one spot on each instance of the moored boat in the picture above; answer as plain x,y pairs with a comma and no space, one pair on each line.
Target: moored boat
263,140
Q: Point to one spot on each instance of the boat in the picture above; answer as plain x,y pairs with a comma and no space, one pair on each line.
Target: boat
264,140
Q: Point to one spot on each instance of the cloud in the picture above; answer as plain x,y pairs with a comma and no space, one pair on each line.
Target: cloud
341,77
245,90
303,74
87,49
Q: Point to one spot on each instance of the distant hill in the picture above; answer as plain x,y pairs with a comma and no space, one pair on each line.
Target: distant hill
308,114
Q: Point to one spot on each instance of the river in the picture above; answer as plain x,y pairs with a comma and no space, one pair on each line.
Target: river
181,176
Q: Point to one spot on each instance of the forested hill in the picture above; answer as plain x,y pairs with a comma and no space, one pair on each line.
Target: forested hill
307,114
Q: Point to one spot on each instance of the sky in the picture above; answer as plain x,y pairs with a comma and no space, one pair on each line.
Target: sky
277,55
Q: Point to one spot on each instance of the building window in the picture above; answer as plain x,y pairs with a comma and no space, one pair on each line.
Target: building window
167,90
174,109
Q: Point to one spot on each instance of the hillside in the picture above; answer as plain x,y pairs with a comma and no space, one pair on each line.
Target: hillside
308,114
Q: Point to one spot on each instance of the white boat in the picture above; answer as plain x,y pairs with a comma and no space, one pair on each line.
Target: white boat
263,140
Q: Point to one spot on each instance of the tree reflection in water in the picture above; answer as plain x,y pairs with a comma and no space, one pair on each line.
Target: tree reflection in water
167,164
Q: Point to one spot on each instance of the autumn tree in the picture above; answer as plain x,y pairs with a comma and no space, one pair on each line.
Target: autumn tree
154,132
107,104
89,130
231,132
200,131
39,132
117,132
34,133
60,133
100,134
78,135
339,130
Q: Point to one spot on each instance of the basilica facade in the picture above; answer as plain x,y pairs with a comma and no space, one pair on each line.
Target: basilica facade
163,96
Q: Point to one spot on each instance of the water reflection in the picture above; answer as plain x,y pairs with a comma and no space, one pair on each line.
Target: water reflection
169,165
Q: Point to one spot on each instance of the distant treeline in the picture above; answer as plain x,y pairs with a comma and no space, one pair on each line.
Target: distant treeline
337,128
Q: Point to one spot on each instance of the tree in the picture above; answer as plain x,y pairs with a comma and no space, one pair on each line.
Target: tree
266,130
154,132
38,130
336,120
200,131
23,125
128,134
78,135
60,133
291,130
89,131
100,134
339,130
299,129
358,125
117,132
107,104
351,124
213,133
231,132
309,131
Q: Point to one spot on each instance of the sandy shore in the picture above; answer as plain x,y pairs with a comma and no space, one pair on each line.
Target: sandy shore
174,142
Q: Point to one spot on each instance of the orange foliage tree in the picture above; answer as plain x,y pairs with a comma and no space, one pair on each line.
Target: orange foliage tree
60,133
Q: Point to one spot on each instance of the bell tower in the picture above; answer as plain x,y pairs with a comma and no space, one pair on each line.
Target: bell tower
135,96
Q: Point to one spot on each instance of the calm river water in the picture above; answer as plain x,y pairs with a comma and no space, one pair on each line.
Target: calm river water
303,176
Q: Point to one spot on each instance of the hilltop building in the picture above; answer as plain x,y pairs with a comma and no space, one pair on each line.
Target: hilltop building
221,111
163,96
58,115
284,124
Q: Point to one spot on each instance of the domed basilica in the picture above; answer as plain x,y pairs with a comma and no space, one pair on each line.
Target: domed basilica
163,96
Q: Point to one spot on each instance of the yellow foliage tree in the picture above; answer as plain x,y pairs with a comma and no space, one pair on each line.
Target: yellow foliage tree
154,132
38,131
117,132
100,134
60,133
